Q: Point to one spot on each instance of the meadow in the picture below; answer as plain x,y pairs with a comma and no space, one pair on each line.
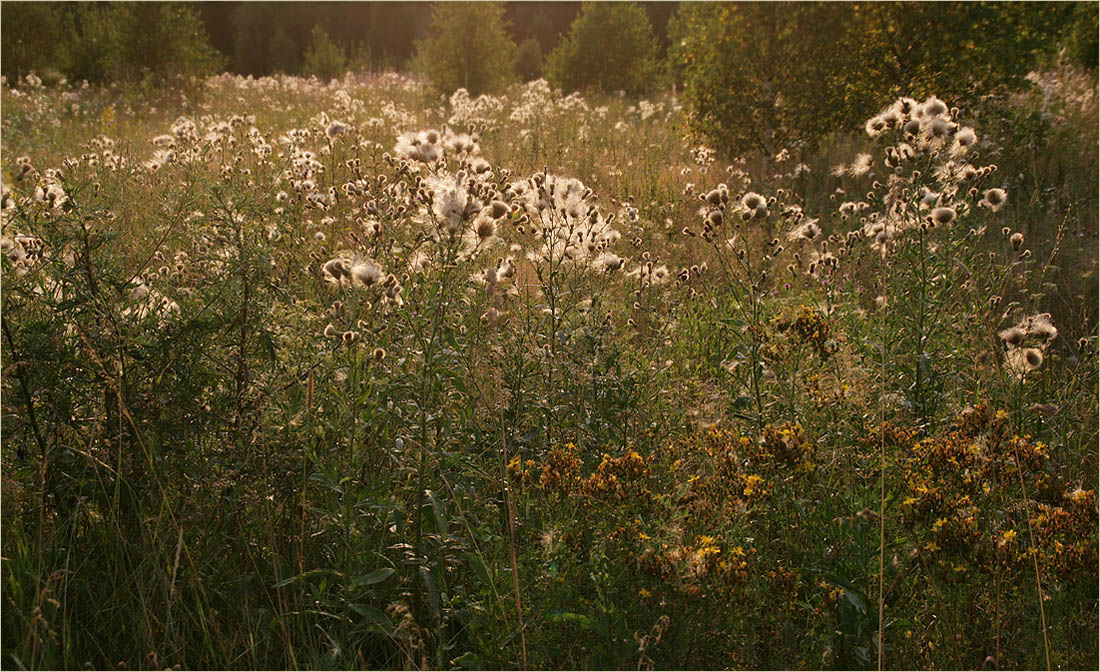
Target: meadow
351,375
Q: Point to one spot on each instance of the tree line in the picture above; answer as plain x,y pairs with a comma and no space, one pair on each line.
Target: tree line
252,38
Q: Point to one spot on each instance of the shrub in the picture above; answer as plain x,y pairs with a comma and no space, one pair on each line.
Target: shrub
468,47
754,73
155,41
360,57
1082,45
32,32
160,42
324,58
610,46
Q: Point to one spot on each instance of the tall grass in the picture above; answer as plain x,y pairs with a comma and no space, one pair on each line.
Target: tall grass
333,376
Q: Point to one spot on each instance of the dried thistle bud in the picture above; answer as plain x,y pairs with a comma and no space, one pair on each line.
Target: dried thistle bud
1013,336
943,216
485,228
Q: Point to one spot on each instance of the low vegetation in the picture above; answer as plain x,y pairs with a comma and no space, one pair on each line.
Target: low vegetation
341,374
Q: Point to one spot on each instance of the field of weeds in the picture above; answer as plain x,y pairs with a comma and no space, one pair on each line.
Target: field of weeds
341,376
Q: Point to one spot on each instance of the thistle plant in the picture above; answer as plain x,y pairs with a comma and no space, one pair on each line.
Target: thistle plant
349,375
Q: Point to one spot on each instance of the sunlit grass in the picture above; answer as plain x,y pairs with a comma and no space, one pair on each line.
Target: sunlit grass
348,375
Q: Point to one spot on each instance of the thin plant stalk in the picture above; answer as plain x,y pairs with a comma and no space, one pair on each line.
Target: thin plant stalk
882,473
512,542
1034,556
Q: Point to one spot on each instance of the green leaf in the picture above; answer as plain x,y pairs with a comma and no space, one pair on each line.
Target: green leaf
571,617
428,577
468,661
440,513
852,595
306,575
374,616
377,576
479,567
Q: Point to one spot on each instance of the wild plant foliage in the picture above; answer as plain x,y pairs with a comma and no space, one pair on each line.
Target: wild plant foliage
304,374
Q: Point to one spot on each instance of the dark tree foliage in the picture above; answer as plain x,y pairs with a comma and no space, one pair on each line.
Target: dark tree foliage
756,75
660,14
468,47
753,72
610,46
544,21
269,37
1083,36
32,31
155,41
324,58
245,31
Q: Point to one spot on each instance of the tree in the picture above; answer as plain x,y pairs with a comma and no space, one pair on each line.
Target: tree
752,72
468,47
33,31
324,58
1082,45
758,75
544,21
610,46
156,41
948,49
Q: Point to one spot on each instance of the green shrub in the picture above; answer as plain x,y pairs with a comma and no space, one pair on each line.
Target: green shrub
468,47
754,74
360,57
32,32
1082,45
160,42
324,58
610,46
